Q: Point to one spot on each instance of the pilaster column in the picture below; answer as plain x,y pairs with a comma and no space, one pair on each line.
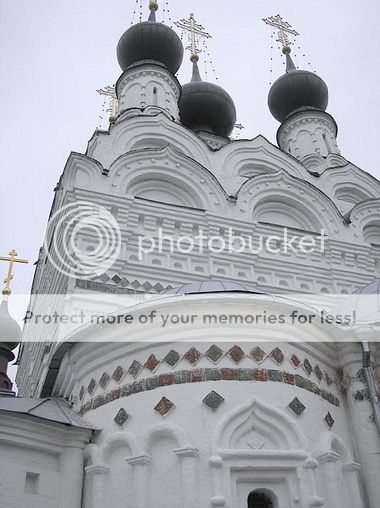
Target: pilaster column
189,458
361,414
309,485
71,469
99,476
216,464
351,474
141,465
328,466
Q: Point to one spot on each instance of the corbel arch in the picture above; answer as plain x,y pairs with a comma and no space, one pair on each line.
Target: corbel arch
365,221
331,442
115,441
168,176
289,201
83,172
127,136
178,434
260,154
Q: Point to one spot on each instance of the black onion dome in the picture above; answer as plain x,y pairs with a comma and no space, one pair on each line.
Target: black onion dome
152,41
206,106
297,90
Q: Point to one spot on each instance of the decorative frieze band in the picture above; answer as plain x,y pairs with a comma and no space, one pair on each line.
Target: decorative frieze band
203,375
214,355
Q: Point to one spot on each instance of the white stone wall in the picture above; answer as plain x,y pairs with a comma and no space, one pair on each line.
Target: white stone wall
41,463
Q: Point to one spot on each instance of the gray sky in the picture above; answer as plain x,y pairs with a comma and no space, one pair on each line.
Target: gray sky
56,53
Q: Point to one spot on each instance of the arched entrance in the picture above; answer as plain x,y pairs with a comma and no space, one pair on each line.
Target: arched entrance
259,500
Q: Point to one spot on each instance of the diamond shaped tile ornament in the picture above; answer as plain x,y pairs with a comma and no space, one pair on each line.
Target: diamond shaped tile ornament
318,372
213,400
134,368
258,354
295,360
116,279
214,353
308,367
297,407
121,417
152,363
236,354
277,355
104,380
172,358
164,406
193,356
91,386
118,374
329,420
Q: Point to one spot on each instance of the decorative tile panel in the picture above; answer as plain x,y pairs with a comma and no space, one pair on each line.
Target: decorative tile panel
260,374
295,360
308,367
152,363
118,374
214,353
172,358
258,354
289,378
81,393
134,368
318,372
213,400
329,420
193,356
297,407
236,354
166,379
164,406
121,417
277,355
104,380
91,386
275,375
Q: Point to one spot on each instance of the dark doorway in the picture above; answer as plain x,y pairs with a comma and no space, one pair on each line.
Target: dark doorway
259,500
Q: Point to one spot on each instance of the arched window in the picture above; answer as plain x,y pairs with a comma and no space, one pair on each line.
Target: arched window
259,500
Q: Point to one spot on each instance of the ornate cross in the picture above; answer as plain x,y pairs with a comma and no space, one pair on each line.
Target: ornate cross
110,91
283,27
8,279
195,33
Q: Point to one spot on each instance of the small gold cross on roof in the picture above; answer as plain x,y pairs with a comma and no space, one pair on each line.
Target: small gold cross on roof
284,29
8,279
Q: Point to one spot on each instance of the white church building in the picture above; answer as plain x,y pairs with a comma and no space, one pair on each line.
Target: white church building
211,412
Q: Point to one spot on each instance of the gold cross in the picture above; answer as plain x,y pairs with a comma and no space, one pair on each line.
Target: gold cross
283,27
8,279
110,91
195,32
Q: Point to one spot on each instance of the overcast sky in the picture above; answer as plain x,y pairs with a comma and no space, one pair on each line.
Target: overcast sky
56,53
